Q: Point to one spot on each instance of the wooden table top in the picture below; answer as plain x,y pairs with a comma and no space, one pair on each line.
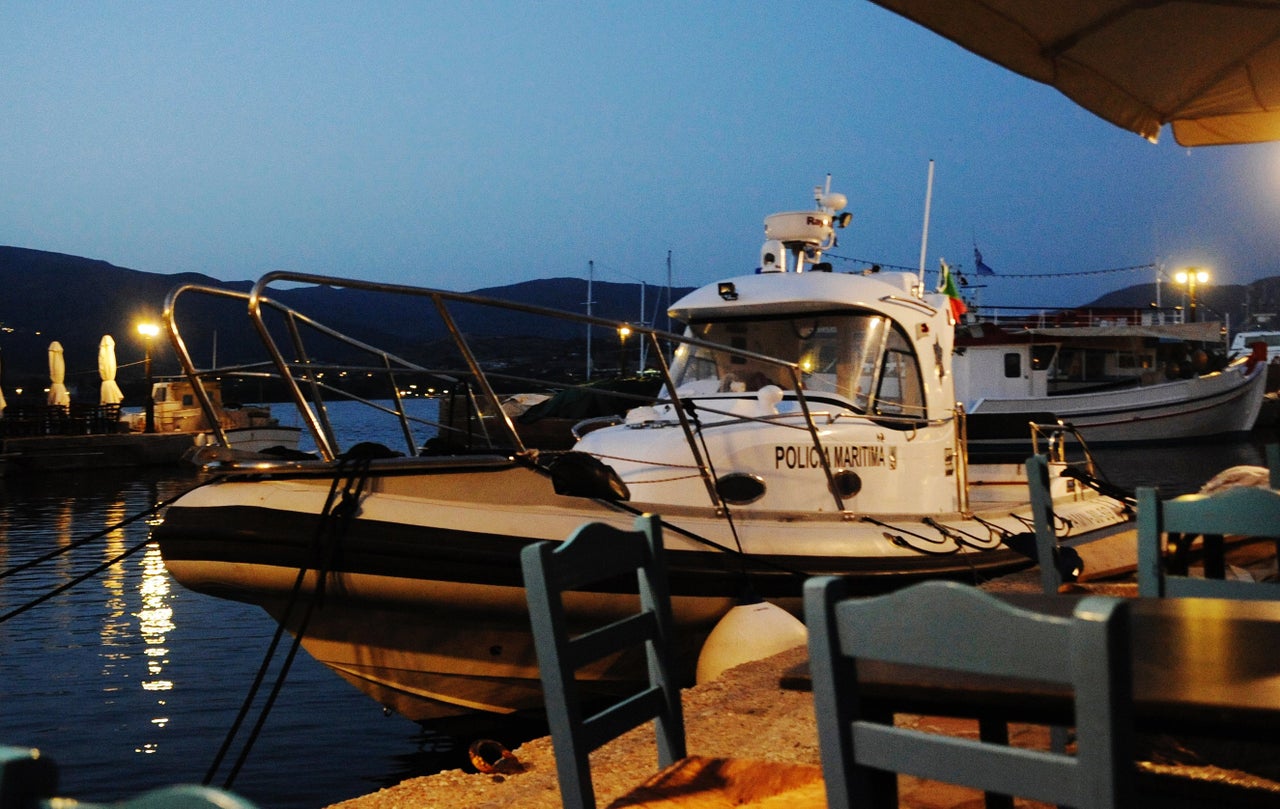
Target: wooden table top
1208,666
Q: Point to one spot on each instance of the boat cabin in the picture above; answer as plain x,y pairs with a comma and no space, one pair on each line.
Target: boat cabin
863,358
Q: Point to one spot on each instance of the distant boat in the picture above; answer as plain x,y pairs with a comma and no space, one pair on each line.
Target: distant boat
248,428
1243,342
1117,377
55,438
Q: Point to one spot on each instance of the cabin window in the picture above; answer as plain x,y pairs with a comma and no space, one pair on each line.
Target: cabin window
861,357
900,392
1042,357
1012,365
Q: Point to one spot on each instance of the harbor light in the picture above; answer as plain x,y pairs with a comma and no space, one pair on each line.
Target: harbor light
1190,277
149,331
624,331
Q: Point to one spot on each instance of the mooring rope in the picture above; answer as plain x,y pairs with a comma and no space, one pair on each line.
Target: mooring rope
79,543
77,580
340,507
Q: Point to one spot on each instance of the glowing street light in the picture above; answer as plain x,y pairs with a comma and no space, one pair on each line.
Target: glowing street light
149,332
1190,277
624,331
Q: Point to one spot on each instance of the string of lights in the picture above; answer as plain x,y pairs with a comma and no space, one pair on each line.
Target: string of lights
959,268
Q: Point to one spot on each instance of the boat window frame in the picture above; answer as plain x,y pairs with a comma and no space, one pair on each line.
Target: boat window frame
863,401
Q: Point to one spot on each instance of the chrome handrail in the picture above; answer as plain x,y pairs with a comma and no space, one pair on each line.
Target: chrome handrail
305,386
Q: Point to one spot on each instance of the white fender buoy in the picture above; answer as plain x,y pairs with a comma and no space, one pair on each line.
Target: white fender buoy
767,399
748,632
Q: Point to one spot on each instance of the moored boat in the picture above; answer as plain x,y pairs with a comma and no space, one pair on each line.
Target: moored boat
60,438
807,424
1117,377
1243,342
247,428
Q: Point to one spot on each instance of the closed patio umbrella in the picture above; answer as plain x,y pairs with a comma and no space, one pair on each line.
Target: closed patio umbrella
1210,69
58,394
111,393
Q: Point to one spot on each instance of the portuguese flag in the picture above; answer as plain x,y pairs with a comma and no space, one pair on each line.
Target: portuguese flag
947,286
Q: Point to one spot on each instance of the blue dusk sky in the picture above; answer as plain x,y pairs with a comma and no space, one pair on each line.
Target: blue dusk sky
471,144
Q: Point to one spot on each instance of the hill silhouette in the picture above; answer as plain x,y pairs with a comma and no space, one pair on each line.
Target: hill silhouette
51,296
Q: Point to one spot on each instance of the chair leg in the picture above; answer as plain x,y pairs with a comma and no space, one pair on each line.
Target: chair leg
882,785
995,731
1178,564
1215,557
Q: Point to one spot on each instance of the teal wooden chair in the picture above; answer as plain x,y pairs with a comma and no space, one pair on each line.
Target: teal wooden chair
29,780
1057,563
597,553
954,627
1167,528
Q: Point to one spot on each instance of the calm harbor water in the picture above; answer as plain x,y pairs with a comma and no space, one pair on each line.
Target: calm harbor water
131,682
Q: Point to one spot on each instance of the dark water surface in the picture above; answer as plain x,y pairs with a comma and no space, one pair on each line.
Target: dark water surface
130,682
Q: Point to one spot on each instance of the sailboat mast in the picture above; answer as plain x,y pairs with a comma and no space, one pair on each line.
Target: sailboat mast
591,274
668,326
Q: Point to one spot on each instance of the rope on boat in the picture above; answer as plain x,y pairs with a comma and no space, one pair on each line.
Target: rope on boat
77,580
960,540
340,507
1058,520
1102,487
962,537
79,543
901,541
663,480
999,530
642,462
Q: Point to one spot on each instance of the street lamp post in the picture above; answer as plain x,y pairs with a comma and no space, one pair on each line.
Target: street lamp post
1190,277
624,331
148,332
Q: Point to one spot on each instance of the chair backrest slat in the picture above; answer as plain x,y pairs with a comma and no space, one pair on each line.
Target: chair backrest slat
1038,639
623,716
1004,770
629,631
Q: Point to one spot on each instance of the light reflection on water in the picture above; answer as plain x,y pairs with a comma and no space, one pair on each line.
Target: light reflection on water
130,682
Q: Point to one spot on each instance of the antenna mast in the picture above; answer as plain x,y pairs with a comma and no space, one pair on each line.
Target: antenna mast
924,236
591,274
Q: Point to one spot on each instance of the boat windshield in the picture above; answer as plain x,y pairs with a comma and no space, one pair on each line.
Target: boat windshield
861,357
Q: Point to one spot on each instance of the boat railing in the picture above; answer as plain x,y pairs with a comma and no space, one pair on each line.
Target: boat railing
1054,436
1041,317
303,353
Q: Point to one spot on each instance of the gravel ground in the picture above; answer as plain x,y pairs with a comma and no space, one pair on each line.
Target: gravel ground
745,713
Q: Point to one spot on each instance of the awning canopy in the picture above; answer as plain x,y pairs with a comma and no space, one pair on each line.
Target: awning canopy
1210,68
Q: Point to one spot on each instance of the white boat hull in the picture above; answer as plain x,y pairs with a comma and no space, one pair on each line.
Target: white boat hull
257,438
423,606
1214,404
